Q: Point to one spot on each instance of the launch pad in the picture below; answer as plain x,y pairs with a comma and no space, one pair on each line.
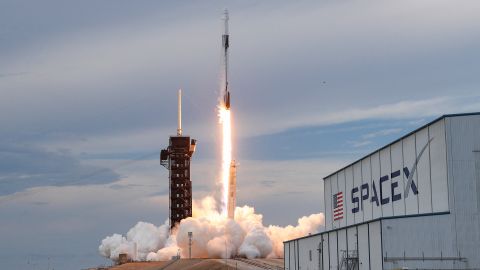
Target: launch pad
204,264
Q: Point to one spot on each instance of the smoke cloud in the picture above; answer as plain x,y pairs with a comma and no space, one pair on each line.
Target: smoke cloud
214,236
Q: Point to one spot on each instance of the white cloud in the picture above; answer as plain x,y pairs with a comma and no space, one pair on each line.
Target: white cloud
360,143
144,185
383,132
254,125
407,109
81,76
367,139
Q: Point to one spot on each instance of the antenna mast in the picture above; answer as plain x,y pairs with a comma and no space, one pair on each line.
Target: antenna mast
179,129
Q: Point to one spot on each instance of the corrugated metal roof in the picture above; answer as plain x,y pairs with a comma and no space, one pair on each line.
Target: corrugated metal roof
404,136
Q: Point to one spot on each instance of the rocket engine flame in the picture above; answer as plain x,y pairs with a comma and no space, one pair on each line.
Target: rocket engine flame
226,123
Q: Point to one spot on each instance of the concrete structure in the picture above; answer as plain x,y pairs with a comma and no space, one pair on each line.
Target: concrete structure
413,204
176,158
202,264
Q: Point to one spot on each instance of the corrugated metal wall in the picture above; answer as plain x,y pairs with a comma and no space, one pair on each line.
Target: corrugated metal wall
363,247
304,253
331,248
384,175
408,241
463,137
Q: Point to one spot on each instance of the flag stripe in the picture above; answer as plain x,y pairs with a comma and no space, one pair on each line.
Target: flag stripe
338,206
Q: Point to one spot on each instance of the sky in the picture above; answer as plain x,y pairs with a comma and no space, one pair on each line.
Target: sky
88,99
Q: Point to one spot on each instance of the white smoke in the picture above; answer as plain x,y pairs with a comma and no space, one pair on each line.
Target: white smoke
113,245
141,240
214,236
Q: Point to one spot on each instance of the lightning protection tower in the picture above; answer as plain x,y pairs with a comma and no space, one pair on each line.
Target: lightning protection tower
176,158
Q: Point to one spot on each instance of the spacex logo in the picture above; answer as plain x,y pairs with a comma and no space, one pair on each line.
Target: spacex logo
377,195
375,192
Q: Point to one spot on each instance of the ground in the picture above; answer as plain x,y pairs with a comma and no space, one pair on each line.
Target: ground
204,264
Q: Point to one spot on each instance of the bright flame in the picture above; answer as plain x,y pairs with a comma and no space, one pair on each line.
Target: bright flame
226,122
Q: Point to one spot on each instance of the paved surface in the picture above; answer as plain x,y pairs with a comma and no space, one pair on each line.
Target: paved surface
205,264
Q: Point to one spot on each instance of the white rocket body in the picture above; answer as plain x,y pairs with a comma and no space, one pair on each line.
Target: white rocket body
225,45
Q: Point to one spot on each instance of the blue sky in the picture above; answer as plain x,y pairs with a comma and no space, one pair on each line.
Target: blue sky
88,100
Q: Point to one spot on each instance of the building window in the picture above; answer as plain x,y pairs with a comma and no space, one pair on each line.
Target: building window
310,254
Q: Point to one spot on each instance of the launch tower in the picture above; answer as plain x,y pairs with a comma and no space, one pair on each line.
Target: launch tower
176,158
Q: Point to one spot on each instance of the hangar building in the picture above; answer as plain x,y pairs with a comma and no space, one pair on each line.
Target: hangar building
413,204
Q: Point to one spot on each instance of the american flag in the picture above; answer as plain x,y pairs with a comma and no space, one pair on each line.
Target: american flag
338,206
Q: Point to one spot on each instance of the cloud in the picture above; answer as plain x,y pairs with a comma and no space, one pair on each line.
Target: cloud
367,139
12,74
383,132
124,186
118,79
405,109
159,193
40,203
268,183
27,166
284,130
360,143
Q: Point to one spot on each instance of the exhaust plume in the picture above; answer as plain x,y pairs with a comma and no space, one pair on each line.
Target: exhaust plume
214,236
225,121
